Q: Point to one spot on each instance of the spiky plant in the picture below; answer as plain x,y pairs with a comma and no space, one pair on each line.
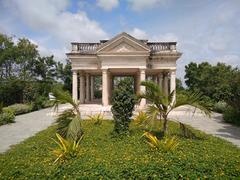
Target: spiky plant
161,104
69,121
66,149
166,144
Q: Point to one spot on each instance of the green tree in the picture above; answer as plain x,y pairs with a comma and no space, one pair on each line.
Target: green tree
211,81
123,101
65,74
163,104
27,55
69,121
7,56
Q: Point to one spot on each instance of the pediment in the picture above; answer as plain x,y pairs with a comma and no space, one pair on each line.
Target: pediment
123,43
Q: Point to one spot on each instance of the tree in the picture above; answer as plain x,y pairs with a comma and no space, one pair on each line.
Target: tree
179,86
7,56
163,104
211,81
64,73
25,76
27,54
69,121
123,101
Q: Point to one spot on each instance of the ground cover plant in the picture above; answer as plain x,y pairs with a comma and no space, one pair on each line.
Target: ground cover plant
107,157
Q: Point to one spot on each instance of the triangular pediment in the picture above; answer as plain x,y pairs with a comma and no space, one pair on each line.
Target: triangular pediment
123,43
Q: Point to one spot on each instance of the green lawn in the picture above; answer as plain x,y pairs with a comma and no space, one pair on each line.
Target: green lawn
103,156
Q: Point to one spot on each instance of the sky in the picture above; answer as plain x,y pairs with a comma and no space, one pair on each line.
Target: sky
206,30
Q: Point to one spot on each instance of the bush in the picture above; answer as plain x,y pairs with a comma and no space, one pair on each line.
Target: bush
96,118
19,108
231,115
220,107
6,117
123,101
39,103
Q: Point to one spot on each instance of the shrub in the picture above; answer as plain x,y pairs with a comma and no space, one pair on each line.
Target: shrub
220,106
166,144
66,149
96,119
141,119
47,103
6,117
231,115
19,108
39,103
123,101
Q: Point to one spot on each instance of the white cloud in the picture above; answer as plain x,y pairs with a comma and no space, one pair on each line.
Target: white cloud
229,59
167,37
107,5
52,18
139,5
138,33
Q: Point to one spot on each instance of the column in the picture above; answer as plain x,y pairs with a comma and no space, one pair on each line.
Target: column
160,80
92,87
173,84
155,79
87,88
74,86
165,84
142,88
82,88
110,79
105,87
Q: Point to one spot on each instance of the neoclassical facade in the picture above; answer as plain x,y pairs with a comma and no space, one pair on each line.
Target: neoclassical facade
122,55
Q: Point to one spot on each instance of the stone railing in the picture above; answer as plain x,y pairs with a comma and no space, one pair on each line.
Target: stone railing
162,46
84,47
90,48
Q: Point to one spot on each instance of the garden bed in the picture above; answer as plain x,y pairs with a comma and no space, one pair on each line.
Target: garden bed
127,157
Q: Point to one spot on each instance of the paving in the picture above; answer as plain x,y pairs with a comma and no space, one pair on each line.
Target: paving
29,124
26,125
211,125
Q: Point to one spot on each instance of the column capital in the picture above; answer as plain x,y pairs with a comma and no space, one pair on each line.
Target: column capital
104,70
142,71
160,74
74,72
81,73
173,72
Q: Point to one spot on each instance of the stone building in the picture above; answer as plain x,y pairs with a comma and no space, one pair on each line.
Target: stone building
122,55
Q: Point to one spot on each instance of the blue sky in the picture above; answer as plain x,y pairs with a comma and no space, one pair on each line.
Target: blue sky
206,30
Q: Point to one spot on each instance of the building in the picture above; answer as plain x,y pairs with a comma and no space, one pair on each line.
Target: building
122,55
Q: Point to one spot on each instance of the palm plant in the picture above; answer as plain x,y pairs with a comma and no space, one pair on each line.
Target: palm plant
69,121
163,104
66,149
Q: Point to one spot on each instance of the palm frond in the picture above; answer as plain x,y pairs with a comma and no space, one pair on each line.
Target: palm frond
64,120
153,92
193,99
74,131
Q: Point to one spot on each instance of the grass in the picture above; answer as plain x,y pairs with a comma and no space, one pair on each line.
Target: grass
104,156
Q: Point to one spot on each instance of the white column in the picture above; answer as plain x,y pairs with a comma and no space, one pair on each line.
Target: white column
74,86
92,88
87,88
165,84
173,84
105,87
142,88
82,88
160,80
155,79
